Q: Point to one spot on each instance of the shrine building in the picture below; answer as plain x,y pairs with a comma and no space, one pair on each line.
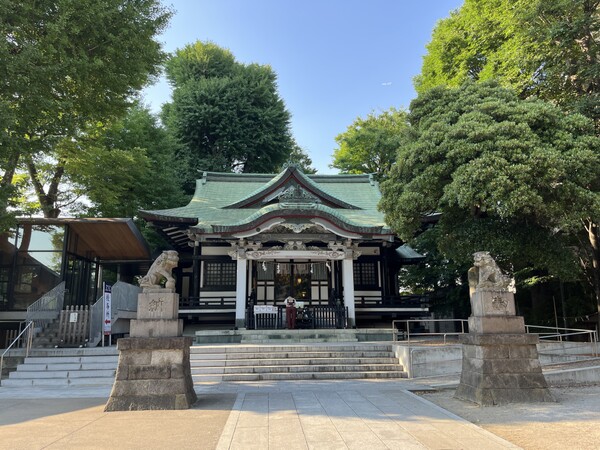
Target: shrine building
248,240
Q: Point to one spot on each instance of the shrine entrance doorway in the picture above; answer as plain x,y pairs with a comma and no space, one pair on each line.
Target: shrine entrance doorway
306,281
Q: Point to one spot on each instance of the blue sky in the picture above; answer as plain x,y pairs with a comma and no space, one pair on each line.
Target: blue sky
335,60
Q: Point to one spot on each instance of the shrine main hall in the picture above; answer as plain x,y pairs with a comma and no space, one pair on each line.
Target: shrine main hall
251,240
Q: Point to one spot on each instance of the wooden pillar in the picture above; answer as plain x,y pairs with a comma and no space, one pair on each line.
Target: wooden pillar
196,270
240,290
348,282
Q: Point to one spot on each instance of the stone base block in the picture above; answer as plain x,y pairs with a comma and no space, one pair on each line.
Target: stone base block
497,324
492,302
155,328
153,373
499,369
158,305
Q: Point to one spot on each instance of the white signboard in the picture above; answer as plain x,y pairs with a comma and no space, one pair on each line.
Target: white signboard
73,317
265,309
106,323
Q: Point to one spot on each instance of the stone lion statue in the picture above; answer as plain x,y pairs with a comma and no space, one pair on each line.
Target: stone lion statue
161,268
487,275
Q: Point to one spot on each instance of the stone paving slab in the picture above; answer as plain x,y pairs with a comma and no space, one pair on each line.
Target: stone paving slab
344,414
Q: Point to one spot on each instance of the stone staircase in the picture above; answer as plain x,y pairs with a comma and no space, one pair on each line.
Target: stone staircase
97,366
294,362
298,336
66,367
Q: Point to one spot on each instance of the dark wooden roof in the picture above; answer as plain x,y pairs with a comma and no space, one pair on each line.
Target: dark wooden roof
107,239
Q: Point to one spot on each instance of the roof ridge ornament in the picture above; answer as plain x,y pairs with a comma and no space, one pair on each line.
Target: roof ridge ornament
295,196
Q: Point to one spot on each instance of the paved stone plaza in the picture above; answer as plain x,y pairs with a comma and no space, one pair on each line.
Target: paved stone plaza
266,415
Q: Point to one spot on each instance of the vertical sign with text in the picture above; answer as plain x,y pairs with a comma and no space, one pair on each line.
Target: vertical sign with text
107,309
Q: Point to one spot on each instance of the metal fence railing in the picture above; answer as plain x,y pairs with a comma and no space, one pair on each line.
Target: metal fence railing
405,329
47,308
564,335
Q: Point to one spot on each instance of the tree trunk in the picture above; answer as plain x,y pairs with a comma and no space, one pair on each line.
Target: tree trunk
593,231
9,172
48,200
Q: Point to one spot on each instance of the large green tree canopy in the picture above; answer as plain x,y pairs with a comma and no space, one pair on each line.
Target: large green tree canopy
546,48
67,65
138,168
228,116
515,177
370,145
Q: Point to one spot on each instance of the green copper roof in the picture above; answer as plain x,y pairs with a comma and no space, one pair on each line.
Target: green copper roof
228,202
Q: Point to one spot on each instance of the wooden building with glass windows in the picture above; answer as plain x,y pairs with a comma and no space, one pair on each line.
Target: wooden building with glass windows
247,240
40,254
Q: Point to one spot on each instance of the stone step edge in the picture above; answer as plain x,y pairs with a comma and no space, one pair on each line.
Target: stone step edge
298,376
240,348
301,369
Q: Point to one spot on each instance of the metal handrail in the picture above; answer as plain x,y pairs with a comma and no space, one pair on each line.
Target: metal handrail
444,334
48,307
593,334
554,333
29,329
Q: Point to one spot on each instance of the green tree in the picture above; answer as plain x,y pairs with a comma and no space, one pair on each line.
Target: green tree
67,65
370,145
549,49
134,167
227,115
514,177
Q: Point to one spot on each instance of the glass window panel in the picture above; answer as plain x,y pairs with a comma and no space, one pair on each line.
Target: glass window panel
12,236
41,237
50,260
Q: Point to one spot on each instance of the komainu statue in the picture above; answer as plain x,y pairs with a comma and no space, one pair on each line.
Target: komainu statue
161,268
485,274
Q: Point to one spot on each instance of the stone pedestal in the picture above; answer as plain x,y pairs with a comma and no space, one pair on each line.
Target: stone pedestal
153,373
501,368
500,361
157,315
154,363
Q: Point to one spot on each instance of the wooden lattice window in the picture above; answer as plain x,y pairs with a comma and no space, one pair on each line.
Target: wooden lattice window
219,275
365,275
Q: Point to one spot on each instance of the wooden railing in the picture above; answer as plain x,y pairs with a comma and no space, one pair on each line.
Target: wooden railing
268,321
312,317
200,303
391,302
73,326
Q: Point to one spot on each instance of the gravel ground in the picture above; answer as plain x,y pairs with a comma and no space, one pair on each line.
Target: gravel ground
573,422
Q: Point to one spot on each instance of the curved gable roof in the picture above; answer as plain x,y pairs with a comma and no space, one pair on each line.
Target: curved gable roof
279,183
225,202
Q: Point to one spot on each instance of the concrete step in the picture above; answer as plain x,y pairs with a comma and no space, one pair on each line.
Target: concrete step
291,361
297,369
288,355
63,374
67,366
109,359
52,382
295,340
201,349
298,376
